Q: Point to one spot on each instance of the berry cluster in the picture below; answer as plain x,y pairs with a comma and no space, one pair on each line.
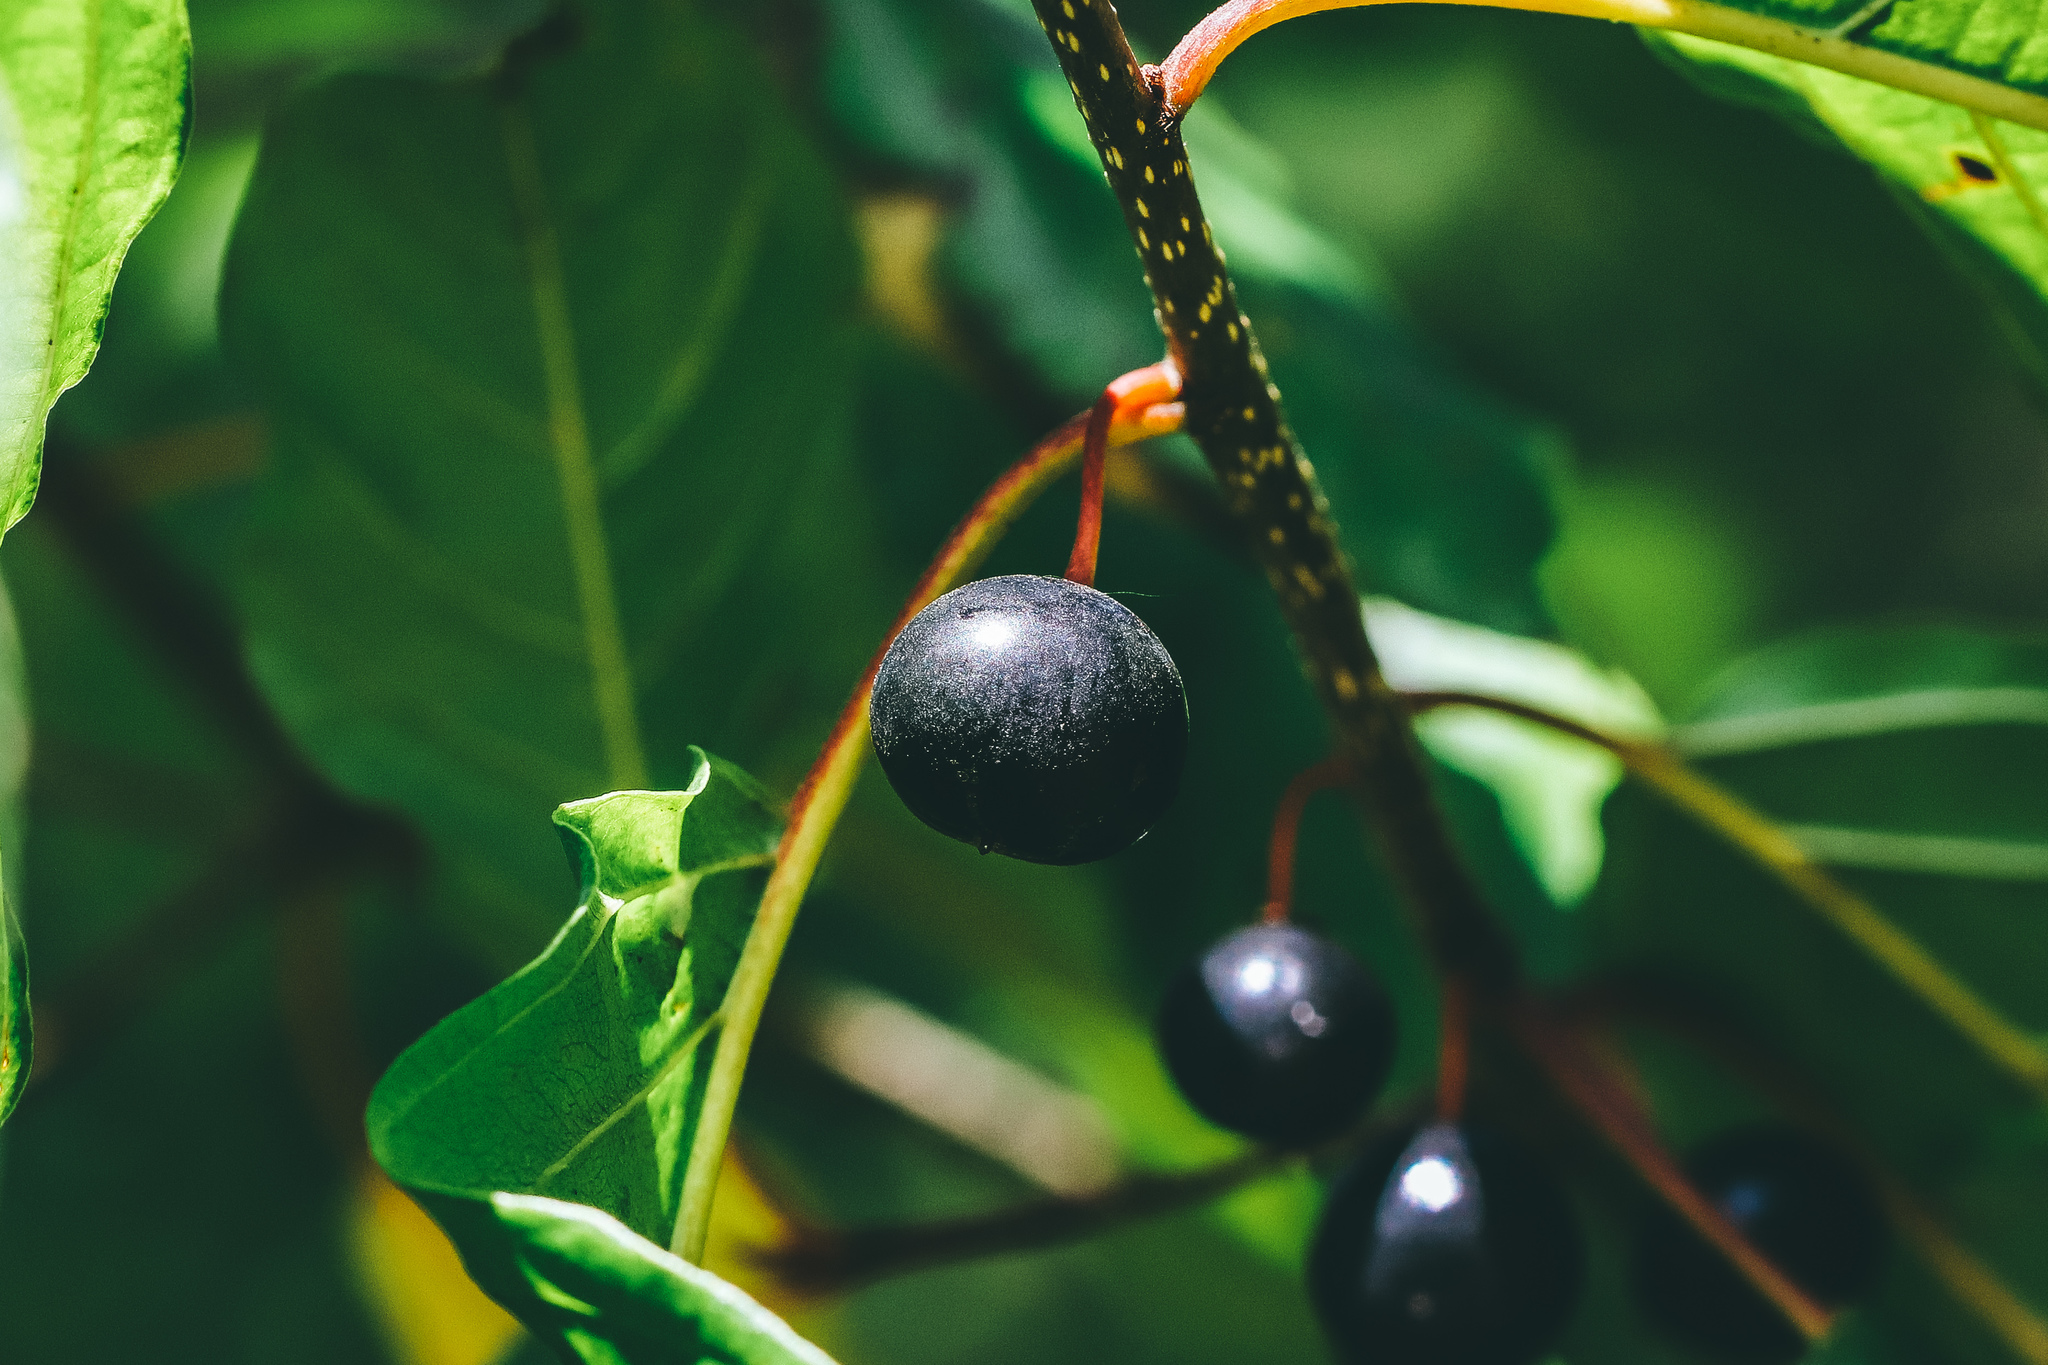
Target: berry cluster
1039,718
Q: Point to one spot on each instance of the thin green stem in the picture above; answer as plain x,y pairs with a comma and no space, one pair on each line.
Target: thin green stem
611,675
1926,709
818,804
2010,1048
1187,71
1938,855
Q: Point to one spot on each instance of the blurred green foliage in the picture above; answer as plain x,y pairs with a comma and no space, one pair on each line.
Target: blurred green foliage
1581,352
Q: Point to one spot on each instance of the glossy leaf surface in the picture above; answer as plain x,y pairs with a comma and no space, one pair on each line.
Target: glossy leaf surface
94,103
577,1082
544,434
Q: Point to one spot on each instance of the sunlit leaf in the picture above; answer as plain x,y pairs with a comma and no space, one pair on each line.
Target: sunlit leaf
17,1038
558,361
1551,786
94,104
547,1124
613,1298
16,1028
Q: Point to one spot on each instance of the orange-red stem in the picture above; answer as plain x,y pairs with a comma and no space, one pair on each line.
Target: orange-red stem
1124,400
1331,772
1583,1076
1453,1047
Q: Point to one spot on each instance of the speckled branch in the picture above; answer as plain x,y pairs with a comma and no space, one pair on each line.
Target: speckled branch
1234,415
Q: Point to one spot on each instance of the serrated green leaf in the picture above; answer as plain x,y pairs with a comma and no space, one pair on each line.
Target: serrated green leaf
559,363
94,107
1551,786
547,1124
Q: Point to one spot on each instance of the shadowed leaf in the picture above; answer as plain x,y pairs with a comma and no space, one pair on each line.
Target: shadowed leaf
548,432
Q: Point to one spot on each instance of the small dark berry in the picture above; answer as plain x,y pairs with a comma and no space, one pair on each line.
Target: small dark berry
1279,1034
1801,1204
1445,1246
1033,717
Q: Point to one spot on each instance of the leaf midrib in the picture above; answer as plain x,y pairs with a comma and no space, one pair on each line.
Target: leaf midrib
602,909
611,679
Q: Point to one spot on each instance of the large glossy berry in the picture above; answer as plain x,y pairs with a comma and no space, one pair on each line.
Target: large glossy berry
1031,716
1801,1204
1279,1034
1446,1245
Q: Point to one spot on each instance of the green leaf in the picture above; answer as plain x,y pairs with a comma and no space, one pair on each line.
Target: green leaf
1551,786
580,1079
243,33
559,364
17,1050
94,108
588,1283
17,1031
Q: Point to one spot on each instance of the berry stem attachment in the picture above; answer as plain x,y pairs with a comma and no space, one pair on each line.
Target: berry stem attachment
1124,400
817,805
1234,415
1454,1049
1331,772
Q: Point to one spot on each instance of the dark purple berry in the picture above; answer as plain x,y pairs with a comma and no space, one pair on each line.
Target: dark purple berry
1801,1203
1279,1034
1445,1245
1033,717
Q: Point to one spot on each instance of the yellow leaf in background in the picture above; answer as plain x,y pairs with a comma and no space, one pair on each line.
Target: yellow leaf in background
412,1279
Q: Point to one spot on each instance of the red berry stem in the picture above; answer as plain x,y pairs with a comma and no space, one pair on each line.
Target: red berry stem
1331,772
1454,1032
1123,400
816,807
1586,1071
1088,529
